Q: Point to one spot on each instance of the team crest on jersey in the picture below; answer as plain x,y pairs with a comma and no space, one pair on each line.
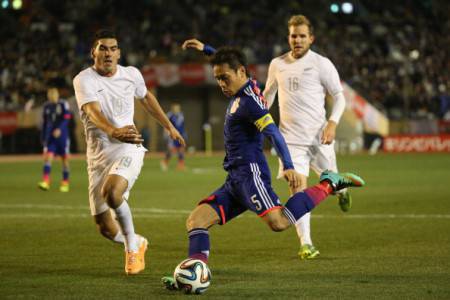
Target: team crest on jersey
235,105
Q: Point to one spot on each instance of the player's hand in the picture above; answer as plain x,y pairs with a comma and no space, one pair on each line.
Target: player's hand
56,133
329,133
193,43
127,134
293,178
175,135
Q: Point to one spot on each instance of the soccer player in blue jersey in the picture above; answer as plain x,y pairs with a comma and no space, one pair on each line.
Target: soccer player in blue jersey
176,117
248,184
55,137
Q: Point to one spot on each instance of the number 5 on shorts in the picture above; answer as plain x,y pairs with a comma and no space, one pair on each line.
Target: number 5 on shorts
256,202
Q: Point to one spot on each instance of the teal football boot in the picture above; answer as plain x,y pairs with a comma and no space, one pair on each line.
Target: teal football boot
339,181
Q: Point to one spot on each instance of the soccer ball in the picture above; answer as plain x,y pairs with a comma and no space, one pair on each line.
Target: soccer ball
192,276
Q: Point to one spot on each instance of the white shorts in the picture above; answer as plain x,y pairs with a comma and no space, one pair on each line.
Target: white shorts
127,164
319,157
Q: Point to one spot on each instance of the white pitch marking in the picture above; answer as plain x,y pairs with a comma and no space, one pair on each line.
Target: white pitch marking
151,212
68,207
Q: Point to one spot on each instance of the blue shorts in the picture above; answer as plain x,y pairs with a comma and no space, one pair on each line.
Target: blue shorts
247,187
59,146
174,144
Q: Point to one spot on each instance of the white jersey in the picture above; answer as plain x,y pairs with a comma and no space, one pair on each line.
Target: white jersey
302,85
115,95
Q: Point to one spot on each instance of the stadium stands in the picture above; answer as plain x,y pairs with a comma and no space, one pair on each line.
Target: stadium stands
393,53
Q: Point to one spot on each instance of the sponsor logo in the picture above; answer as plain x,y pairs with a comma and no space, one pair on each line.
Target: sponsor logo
417,143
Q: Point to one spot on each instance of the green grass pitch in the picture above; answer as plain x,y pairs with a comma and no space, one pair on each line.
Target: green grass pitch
394,243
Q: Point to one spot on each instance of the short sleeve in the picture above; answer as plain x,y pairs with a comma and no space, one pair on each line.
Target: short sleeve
140,88
84,90
254,104
256,109
329,77
271,84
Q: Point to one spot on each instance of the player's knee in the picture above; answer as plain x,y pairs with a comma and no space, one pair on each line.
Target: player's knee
278,225
197,221
112,196
194,222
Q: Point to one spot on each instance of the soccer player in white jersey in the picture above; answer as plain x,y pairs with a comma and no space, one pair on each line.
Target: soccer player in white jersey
302,78
105,94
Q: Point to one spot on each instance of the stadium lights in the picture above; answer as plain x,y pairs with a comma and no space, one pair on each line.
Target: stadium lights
5,4
414,54
334,8
17,4
347,8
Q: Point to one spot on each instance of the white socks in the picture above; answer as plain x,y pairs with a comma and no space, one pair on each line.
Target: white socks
303,228
119,238
125,220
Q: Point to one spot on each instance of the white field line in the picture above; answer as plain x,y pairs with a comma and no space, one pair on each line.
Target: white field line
168,213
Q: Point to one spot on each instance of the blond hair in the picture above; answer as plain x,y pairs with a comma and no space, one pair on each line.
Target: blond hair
297,20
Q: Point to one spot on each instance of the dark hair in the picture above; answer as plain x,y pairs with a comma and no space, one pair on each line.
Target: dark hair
103,34
231,56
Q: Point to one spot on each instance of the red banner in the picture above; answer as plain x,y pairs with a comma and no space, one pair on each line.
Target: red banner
417,143
149,74
8,122
192,74
444,126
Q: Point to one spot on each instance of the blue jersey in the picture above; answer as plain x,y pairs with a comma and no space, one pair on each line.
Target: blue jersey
177,119
55,115
243,139
248,184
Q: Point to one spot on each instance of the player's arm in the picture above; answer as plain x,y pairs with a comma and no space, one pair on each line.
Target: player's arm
126,134
151,105
266,125
330,79
271,85
329,132
196,44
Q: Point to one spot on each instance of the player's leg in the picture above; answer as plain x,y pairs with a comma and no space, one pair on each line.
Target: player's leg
115,191
44,184
108,227
219,208
301,157
303,202
180,151
64,153
303,227
103,215
164,164
197,224
325,159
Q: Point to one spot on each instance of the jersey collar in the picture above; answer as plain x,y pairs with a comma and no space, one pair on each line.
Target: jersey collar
241,90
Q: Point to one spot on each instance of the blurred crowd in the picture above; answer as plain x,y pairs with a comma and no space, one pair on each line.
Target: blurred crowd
394,54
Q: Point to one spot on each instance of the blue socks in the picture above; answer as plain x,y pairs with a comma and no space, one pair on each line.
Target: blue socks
298,205
199,244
